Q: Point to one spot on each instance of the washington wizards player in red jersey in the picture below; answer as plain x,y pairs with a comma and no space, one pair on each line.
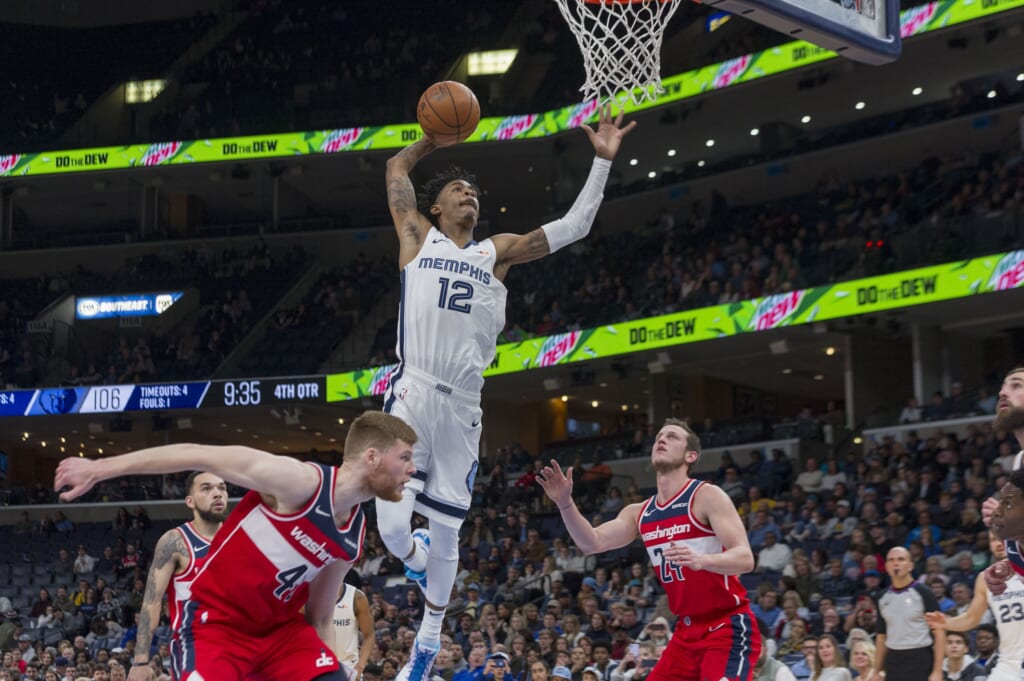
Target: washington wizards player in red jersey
285,546
697,543
178,555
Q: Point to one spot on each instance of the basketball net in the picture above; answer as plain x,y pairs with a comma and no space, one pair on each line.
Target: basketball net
621,45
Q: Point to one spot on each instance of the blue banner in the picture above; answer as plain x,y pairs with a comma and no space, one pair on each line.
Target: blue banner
135,305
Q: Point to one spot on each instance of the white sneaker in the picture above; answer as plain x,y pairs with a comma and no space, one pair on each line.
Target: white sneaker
421,661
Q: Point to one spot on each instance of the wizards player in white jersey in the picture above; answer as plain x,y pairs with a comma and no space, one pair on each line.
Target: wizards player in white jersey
1007,610
451,312
698,546
285,546
176,560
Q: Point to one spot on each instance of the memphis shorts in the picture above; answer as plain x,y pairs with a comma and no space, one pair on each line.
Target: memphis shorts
447,423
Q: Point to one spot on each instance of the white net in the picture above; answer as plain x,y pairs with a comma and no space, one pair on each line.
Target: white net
621,45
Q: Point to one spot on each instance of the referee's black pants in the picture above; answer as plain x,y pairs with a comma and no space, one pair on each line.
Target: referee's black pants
909,665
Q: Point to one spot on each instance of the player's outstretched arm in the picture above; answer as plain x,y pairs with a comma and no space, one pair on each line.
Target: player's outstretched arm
515,249
290,482
168,555
411,225
737,558
613,534
970,618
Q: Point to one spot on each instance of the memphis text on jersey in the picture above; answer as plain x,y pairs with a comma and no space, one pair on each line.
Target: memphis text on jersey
456,267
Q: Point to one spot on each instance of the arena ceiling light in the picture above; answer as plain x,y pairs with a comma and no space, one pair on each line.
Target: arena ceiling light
709,143
805,119
1020,77
490,63
633,161
916,91
859,106
671,152
142,91
992,94
754,132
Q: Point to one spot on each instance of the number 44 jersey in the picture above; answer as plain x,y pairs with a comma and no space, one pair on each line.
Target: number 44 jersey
260,565
452,310
697,595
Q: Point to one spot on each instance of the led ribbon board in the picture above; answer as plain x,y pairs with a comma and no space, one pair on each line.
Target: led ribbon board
931,284
794,55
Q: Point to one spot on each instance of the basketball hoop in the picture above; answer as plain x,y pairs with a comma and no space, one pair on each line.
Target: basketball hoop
621,45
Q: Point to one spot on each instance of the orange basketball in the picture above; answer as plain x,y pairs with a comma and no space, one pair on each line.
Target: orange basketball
448,112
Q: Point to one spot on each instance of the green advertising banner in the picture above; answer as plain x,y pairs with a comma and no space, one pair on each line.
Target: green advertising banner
922,19
931,284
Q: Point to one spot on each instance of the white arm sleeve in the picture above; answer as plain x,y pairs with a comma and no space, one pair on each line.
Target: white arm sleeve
576,223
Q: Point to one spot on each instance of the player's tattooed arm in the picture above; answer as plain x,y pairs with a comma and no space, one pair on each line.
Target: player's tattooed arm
410,225
169,553
516,249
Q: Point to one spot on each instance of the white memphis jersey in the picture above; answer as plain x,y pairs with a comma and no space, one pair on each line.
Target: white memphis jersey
346,628
1008,610
452,310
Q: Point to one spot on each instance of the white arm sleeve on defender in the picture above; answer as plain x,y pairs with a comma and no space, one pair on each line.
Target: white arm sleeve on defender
576,223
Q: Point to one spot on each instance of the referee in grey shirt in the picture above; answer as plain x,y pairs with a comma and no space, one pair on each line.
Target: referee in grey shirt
906,650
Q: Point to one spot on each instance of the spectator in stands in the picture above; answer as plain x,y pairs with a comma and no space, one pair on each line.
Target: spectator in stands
63,564
835,584
986,642
766,608
843,524
762,523
810,480
41,604
936,409
862,658
733,486
84,563
829,664
832,475
773,556
938,586
791,636
911,413
959,665
106,564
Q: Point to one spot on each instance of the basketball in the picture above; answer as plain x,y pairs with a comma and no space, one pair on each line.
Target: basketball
448,113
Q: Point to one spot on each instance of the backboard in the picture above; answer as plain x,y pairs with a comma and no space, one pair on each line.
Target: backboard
863,30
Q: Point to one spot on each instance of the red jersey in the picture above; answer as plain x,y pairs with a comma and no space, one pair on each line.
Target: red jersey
697,594
260,565
178,589
1013,554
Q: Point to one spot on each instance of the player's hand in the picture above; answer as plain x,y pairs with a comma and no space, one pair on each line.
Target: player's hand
935,620
683,555
609,134
935,676
557,485
78,474
996,576
987,507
